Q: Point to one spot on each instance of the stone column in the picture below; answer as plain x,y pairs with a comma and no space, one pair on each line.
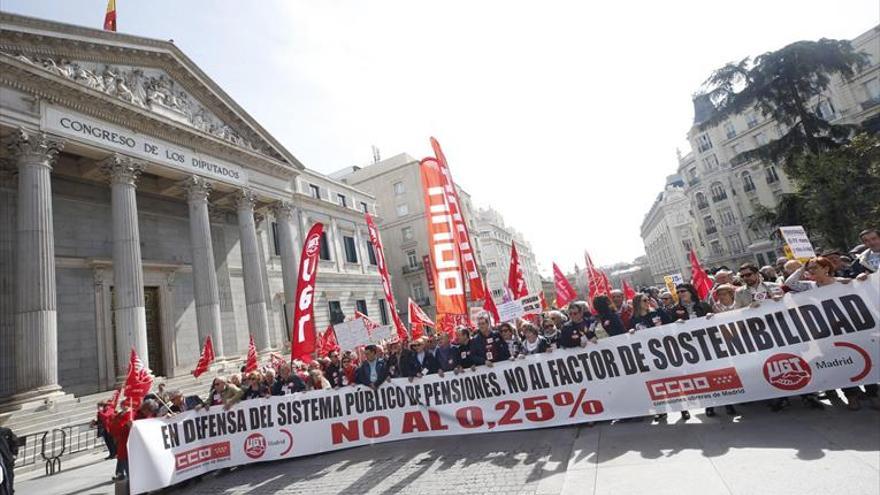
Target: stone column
128,272
207,294
287,242
254,295
36,331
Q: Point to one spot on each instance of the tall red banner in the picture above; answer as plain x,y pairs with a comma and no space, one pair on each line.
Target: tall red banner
462,237
303,336
565,293
516,282
386,280
446,263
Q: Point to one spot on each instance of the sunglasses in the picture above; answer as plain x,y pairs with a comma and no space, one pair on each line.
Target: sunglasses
747,274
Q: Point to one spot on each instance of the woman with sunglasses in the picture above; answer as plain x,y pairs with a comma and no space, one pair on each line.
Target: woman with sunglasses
576,331
644,316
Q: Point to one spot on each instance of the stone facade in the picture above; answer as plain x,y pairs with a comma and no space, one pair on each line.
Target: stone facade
669,233
141,207
495,239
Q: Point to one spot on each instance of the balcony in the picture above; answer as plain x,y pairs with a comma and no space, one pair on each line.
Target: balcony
693,181
752,123
719,197
407,269
702,205
749,188
870,103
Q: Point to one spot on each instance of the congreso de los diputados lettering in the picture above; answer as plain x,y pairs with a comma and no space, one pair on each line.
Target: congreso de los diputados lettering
141,207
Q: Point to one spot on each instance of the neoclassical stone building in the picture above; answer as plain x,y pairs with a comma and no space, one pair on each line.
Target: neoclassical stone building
141,207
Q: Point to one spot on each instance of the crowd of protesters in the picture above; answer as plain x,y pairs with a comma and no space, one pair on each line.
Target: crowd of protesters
577,325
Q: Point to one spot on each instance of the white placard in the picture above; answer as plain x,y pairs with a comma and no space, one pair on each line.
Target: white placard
112,137
511,310
353,333
798,241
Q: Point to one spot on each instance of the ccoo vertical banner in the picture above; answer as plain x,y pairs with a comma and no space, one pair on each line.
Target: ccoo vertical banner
446,264
303,337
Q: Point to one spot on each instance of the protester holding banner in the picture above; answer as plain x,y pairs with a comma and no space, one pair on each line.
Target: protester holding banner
463,351
869,259
623,308
419,361
287,382
373,371
444,352
487,343
689,304
255,389
576,331
724,298
511,339
755,288
222,393
644,317
393,360
534,343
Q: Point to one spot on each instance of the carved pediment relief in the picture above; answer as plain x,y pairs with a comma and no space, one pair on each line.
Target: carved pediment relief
148,88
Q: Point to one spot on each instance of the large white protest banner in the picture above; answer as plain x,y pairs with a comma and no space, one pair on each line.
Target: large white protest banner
822,339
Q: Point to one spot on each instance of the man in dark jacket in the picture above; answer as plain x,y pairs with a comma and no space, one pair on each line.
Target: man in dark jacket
444,352
463,352
576,331
8,452
419,362
373,371
287,382
488,344
333,371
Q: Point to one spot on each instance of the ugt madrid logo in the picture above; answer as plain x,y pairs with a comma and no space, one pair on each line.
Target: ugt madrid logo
255,446
787,371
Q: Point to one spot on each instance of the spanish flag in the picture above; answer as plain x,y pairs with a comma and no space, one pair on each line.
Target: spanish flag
110,16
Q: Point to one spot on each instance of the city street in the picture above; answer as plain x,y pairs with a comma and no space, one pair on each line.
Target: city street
797,451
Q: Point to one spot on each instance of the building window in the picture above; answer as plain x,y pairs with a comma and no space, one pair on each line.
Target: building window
497,292
760,258
702,204
336,314
383,312
492,264
315,190
727,217
399,189
364,207
371,254
342,200
407,233
275,244
709,222
325,247
729,130
361,306
402,210
825,110
418,292
718,193
761,139
351,255
716,248
748,184
736,148
704,143
771,175
412,259
711,162
751,119
734,242
872,89
687,244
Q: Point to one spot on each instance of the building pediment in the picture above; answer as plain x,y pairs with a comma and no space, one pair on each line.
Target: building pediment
151,75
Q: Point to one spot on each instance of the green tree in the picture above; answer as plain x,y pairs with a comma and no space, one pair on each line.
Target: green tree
836,184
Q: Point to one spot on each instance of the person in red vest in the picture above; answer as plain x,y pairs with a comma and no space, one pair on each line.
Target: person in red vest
120,427
102,423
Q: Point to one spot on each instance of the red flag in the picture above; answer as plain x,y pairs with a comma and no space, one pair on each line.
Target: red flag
462,237
418,319
205,359
138,382
114,400
489,307
565,293
628,292
110,16
370,324
302,340
275,361
515,280
544,305
251,364
699,278
446,263
386,279
328,341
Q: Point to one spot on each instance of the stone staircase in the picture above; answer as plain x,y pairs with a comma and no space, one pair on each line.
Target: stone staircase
71,415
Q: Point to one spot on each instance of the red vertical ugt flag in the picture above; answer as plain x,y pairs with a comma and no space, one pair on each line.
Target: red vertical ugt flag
205,359
462,237
515,280
386,279
110,16
699,278
251,363
565,293
303,336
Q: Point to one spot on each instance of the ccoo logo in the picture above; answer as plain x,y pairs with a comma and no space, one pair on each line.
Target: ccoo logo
255,446
787,371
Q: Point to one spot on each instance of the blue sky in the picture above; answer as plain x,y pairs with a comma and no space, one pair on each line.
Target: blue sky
564,116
